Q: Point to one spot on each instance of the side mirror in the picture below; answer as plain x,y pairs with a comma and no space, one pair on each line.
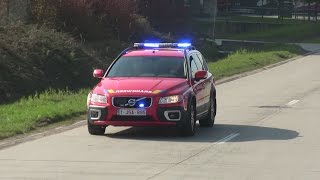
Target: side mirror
98,73
200,75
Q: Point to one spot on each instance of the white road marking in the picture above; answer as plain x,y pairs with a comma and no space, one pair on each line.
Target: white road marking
33,135
228,138
292,102
221,141
3,143
79,122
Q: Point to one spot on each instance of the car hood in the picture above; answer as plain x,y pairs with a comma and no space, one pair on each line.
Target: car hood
138,86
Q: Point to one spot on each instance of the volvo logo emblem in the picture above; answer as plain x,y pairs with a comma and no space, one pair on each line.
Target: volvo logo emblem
131,102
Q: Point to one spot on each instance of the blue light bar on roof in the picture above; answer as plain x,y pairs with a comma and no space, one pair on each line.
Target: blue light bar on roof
184,44
157,45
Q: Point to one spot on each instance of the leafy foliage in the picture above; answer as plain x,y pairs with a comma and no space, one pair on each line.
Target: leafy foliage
35,58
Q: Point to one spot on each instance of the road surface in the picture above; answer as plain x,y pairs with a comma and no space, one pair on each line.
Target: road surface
267,128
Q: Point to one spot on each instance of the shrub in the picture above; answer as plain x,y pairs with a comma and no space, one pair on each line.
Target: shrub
34,58
88,19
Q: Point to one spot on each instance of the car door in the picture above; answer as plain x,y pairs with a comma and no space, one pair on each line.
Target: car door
207,82
198,86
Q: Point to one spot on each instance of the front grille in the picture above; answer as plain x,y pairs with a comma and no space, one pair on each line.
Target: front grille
132,102
131,118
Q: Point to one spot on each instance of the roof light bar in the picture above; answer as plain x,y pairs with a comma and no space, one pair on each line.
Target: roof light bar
184,44
157,45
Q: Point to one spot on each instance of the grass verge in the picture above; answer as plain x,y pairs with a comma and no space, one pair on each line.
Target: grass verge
40,110
306,32
265,19
248,60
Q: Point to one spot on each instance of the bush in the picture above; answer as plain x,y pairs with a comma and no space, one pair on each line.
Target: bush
34,58
89,19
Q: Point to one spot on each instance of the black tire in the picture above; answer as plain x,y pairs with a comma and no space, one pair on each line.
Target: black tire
96,130
210,118
189,128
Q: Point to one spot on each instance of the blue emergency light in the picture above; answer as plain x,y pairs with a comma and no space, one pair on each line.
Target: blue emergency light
154,45
184,44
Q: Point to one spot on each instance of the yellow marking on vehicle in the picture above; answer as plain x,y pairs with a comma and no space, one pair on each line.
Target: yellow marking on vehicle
156,92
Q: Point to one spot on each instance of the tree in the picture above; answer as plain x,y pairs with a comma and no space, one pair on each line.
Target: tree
313,9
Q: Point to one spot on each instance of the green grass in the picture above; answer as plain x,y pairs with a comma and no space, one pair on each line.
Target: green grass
244,60
308,32
266,19
287,30
40,110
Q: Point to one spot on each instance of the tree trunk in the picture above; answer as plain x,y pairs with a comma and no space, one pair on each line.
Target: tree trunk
316,11
309,11
213,13
304,10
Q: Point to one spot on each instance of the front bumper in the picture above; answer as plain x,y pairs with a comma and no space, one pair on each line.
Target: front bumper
155,116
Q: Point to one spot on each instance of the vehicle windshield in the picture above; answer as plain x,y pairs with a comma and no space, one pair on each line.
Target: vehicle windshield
149,66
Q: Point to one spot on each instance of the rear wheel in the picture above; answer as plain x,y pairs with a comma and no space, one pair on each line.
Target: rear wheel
96,130
188,129
210,118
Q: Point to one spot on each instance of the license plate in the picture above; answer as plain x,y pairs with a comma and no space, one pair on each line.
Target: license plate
132,112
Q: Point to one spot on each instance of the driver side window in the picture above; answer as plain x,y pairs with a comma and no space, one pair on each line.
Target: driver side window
193,66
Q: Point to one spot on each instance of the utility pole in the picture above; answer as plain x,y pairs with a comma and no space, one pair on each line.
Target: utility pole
213,13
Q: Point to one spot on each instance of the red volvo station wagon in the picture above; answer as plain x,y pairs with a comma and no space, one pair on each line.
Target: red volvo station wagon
154,84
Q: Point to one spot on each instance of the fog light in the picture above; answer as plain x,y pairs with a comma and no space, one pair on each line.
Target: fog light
95,114
172,115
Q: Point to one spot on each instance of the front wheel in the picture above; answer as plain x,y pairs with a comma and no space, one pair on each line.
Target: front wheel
95,130
188,129
210,118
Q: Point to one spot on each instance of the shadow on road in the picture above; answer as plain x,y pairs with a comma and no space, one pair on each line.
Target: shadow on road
246,133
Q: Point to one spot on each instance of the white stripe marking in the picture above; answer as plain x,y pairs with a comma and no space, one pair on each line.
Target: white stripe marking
3,143
33,135
292,102
79,122
228,138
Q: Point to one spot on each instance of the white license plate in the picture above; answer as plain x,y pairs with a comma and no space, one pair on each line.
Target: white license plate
132,112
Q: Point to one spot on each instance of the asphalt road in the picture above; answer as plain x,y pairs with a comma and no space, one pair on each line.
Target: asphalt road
267,128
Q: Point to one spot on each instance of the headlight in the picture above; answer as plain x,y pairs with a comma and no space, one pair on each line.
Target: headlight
88,99
97,98
170,99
